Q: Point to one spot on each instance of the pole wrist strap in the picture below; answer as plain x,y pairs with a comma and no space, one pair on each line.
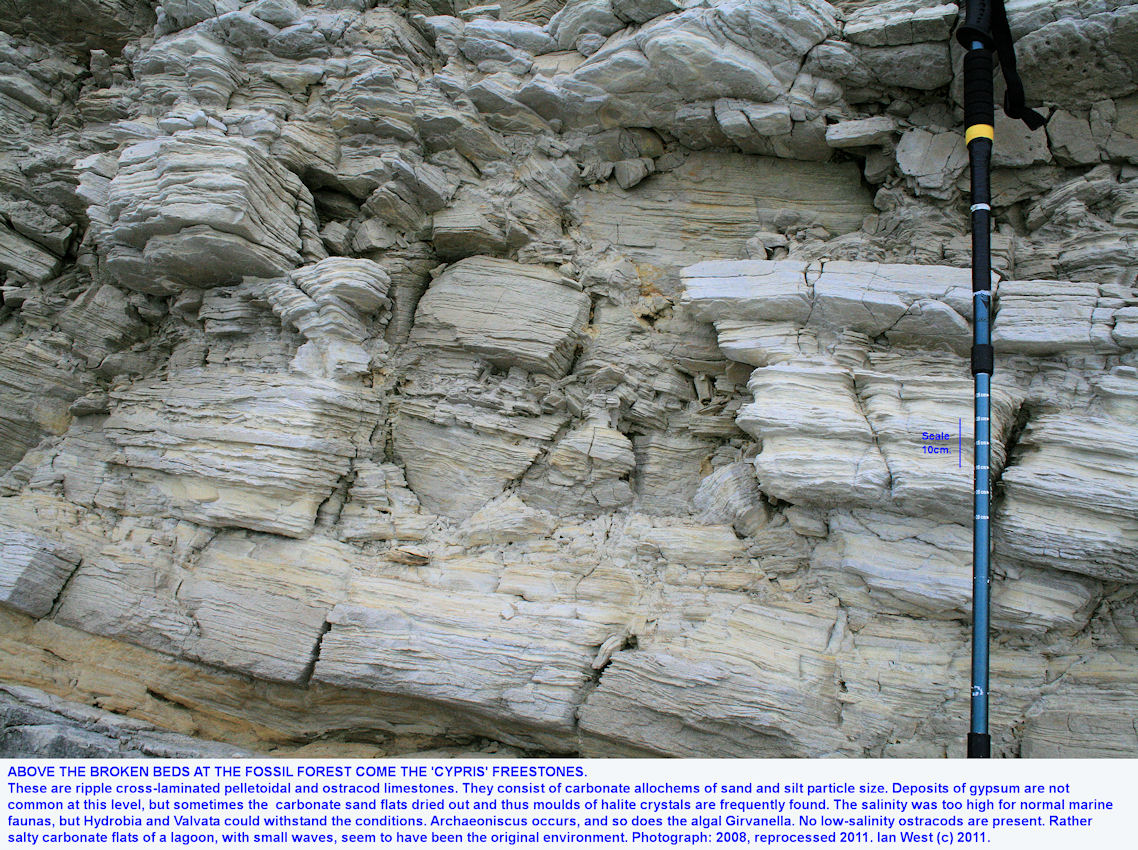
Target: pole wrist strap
986,22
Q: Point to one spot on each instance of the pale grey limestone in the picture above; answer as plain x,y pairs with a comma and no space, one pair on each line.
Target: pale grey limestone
747,699
380,506
816,441
168,223
900,22
585,472
582,17
33,571
731,494
508,520
931,161
861,132
228,447
742,290
706,208
24,258
36,724
1093,704
38,383
1046,316
927,571
330,304
1070,138
527,661
252,605
457,458
1078,457
460,312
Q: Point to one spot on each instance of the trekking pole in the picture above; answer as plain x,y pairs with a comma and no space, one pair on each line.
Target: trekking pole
985,28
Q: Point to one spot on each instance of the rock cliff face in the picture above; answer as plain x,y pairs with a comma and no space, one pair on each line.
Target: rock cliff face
583,378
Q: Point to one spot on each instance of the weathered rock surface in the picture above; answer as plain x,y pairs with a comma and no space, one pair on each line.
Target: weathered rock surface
462,311
582,377
34,571
283,447
710,207
34,724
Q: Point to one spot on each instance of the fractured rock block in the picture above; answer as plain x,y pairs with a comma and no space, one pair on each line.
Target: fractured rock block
711,545
817,446
931,161
458,457
253,605
845,280
1067,460
463,311
127,592
912,421
765,685
760,307
37,386
914,567
380,506
33,571
1045,316
509,520
228,447
24,258
861,132
586,472
329,303
668,471
259,606
201,209
900,22
467,228
706,209
524,662
731,494
741,290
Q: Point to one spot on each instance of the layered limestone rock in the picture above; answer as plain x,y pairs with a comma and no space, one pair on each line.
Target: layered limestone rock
34,724
583,377
285,444
198,209
463,311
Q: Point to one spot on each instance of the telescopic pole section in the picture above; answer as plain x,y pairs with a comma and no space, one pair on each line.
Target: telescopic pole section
978,113
985,29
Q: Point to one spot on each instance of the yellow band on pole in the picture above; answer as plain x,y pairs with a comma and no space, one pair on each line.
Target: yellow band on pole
979,131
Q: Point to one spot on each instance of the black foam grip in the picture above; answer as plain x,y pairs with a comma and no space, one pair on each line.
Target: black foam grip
979,745
978,101
977,24
983,359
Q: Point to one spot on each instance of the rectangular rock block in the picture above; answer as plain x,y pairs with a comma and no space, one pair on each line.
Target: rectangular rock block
465,310
33,571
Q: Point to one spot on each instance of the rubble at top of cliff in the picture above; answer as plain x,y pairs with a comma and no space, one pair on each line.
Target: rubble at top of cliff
586,377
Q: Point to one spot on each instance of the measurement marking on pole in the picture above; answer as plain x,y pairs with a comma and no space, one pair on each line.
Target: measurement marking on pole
981,516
